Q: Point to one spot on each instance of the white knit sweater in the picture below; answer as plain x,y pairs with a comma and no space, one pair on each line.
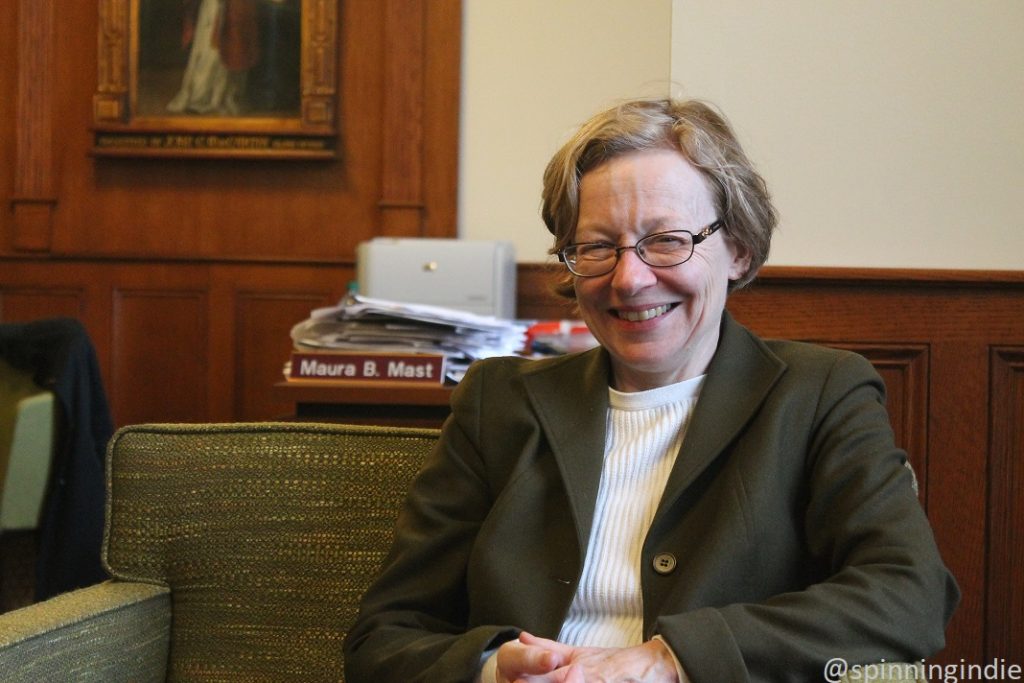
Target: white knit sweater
645,430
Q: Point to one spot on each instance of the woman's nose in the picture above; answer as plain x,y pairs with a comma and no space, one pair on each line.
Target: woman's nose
631,273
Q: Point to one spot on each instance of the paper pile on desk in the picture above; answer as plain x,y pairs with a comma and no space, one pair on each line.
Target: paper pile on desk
359,323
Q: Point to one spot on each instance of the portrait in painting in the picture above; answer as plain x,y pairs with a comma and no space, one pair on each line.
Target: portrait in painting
219,58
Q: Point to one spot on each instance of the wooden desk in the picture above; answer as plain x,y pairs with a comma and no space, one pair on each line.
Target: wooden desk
400,405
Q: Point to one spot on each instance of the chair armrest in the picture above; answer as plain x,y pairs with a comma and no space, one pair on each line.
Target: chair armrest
112,631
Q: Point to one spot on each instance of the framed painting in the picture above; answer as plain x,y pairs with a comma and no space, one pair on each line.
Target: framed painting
216,78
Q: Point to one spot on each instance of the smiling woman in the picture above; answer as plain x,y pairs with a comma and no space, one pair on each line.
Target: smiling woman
686,500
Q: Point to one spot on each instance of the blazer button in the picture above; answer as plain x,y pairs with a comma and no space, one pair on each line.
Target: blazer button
664,563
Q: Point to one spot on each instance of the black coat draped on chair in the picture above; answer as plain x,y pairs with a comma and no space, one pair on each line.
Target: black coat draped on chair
61,358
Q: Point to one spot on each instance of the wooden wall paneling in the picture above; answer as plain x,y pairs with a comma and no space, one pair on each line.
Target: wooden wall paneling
957,487
324,67
401,201
34,288
223,369
260,304
252,308
34,193
23,304
442,56
534,298
9,31
112,56
161,339
1005,599
99,282
264,319
262,346
361,104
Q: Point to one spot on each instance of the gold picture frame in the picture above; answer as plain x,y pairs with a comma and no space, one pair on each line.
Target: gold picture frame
216,79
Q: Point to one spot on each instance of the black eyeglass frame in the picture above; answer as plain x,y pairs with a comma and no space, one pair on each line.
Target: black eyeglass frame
696,239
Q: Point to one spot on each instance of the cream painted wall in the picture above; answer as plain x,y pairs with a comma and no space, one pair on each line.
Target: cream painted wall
532,70
889,130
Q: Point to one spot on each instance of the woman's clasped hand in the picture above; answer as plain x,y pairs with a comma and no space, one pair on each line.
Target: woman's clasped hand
530,659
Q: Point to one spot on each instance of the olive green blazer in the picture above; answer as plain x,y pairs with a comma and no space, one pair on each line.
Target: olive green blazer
790,514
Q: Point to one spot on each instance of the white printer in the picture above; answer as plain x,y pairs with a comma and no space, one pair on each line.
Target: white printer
478,276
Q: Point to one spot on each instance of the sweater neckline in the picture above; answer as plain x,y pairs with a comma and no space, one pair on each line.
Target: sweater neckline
687,390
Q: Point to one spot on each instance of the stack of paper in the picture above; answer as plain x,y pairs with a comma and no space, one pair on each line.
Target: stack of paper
362,324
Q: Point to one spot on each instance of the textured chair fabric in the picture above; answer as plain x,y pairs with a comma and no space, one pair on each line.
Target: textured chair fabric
265,534
108,632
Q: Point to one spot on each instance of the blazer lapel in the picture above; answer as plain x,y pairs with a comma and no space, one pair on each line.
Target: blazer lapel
739,378
570,397
571,402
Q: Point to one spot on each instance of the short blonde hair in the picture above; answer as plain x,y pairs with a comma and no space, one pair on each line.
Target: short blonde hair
692,127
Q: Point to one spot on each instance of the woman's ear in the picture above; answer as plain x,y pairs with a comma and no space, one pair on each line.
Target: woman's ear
740,261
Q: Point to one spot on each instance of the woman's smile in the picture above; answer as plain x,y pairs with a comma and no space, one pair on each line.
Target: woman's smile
641,315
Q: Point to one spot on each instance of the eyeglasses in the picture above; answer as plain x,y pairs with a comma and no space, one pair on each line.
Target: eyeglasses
659,250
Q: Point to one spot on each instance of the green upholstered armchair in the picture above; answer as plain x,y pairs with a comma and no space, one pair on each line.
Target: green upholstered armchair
237,551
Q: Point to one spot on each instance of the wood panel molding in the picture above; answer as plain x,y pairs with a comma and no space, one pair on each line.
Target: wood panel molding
260,347
34,194
929,278
1005,600
320,81
110,103
442,56
19,304
401,202
160,361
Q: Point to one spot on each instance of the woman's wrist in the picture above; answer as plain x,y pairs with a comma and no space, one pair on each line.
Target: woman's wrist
680,672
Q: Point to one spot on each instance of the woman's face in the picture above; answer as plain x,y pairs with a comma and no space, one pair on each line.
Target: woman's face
660,325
